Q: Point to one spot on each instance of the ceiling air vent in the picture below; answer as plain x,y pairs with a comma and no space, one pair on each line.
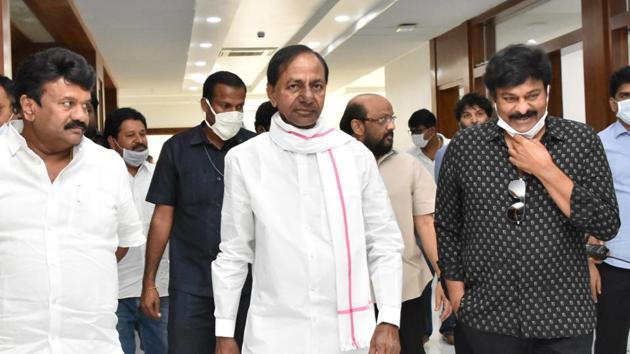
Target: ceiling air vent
246,52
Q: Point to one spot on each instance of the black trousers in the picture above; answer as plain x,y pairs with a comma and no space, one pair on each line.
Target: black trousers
613,310
191,323
412,325
490,343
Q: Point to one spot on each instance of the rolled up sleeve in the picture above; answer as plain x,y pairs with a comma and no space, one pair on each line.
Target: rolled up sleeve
594,208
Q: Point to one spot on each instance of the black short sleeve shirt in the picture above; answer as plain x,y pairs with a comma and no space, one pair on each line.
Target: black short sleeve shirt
189,177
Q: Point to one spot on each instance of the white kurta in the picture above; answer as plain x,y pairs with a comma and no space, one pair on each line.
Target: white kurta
274,216
131,267
58,278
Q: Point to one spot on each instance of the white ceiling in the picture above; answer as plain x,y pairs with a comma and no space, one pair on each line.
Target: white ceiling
152,45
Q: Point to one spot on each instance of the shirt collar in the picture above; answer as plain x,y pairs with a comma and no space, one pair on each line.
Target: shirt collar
17,141
552,126
618,129
385,157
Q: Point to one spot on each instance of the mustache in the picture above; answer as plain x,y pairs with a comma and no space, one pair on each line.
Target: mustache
75,124
528,114
140,147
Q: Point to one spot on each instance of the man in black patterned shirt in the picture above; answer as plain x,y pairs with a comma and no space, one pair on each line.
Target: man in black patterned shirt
515,197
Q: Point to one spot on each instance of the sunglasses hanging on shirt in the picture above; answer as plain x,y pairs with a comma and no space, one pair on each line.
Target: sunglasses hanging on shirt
517,189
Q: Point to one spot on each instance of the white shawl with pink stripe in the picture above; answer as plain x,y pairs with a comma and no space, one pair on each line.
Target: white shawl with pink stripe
342,195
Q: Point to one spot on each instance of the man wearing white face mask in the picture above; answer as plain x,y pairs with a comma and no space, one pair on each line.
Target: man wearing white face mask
515,197
613,308
427,141
126,133
187,190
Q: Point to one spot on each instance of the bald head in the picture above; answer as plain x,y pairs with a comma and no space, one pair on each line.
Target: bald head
370,119
361,107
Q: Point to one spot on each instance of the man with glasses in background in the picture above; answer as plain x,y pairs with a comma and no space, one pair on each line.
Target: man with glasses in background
370,119
515,198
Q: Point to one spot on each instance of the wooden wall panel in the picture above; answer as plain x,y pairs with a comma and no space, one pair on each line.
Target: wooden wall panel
451,57
598,63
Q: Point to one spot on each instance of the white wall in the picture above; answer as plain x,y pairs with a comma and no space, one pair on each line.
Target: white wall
408,88
572,63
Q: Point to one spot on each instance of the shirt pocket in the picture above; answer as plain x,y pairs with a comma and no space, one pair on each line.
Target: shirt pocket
92,211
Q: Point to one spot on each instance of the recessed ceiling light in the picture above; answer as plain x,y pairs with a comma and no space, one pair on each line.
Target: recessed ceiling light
205,45
193,88
342,18
200,63
312,44
213,19
406,27
532,41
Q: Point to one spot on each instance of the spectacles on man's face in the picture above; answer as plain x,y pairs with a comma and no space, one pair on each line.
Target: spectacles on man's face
516,211
382,120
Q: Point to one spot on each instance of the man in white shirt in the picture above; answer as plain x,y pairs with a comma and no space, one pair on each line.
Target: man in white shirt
67,213
126,133
423,129
306,206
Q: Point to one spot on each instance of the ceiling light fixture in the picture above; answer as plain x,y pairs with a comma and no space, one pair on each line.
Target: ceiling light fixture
342,18
200,63
213,19
312,44
205,45
532,41
406,27
193,88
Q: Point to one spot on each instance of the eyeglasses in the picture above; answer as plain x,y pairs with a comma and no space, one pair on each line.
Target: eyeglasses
516,211
382,120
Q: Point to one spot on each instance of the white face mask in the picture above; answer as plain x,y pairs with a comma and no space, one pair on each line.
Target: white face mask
5,127
419,141
226,124
530,134
623,111
133,158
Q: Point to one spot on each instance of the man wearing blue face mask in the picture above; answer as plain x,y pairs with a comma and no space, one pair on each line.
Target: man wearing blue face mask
515,198
613,308
187,189
126,133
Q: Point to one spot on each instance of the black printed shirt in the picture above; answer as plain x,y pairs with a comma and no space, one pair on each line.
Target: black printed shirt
529,280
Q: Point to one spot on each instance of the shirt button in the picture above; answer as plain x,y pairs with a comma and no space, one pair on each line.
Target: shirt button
218,178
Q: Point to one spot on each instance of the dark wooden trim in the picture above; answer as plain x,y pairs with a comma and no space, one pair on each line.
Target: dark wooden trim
504,10
165,131
555,106
433,66
563,41
619,39
5,36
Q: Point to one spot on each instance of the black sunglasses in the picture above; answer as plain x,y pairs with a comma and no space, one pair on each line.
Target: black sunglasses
516,211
